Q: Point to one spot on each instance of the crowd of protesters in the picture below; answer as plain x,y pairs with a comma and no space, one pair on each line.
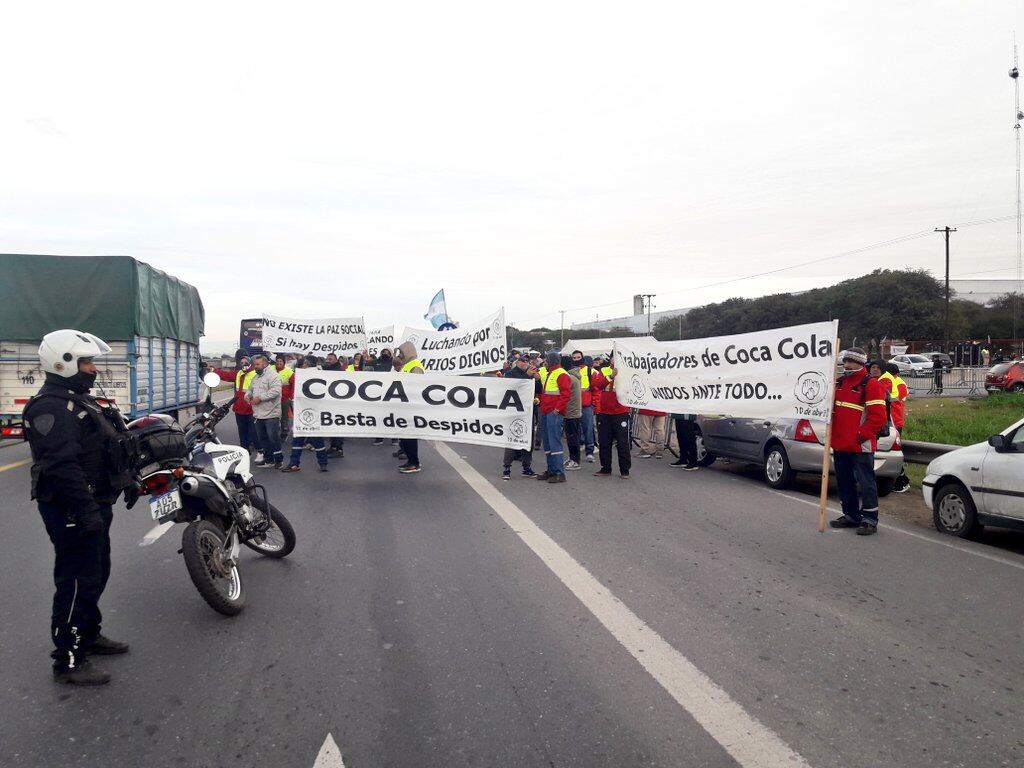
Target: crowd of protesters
577,419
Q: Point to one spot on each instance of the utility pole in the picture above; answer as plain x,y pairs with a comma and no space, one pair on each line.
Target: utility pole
561,343
647,300
1015,76
947,230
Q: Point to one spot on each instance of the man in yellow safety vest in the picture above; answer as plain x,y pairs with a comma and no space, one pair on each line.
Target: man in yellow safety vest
410,362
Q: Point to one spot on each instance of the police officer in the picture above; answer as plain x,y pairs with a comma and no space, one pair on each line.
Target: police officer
82,459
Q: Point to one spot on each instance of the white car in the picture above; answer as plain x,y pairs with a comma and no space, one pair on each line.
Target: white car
981,484
916,365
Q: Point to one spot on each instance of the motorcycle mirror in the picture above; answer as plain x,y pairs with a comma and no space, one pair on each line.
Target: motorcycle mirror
211,380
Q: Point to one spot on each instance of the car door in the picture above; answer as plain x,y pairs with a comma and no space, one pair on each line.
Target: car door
1002,475
735,437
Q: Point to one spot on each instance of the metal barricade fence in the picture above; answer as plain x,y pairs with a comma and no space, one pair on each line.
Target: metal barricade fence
955,382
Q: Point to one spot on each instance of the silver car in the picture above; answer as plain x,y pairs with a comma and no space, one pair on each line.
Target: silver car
783,447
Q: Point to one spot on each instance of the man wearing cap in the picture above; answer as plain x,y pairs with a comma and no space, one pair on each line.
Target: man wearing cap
857,417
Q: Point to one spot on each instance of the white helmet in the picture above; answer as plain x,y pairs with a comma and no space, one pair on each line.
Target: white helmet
60,351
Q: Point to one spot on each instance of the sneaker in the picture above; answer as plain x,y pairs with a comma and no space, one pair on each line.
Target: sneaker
399,454
379,441
624,475
680,463
843,522
506,474
84,673
529,473
408,469
590,458
264,464
645,455
291,468
543,476
572,464
602,473
867,529
556,479
691,467
308,447
104,646
323,467
259,457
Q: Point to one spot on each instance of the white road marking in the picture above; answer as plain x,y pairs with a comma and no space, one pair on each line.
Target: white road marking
921,536
747,741
156,533
330,755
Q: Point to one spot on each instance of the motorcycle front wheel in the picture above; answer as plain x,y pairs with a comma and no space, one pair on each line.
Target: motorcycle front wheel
218,582
279,540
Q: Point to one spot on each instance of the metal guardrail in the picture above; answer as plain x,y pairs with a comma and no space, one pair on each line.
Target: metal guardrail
923,453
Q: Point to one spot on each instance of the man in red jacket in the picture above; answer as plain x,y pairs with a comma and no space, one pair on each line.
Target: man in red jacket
242,377
858,415
556,388
612,421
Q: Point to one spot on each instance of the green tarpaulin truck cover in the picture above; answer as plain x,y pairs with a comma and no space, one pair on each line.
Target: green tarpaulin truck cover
113,297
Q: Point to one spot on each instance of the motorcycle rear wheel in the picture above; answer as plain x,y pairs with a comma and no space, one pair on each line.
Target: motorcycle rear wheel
220,586
280,538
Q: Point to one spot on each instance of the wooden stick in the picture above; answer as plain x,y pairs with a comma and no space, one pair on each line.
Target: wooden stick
827,453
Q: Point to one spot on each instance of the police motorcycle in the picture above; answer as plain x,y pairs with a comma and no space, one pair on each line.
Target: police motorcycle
194,479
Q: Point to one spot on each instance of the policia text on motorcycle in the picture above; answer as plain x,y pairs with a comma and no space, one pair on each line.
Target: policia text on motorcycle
82,461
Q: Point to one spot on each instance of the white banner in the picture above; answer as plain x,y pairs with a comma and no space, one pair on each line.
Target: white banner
380,338
785,372
476,348
484,411
340,335
899,349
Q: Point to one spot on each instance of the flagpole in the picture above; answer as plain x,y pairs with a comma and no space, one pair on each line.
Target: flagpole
444,301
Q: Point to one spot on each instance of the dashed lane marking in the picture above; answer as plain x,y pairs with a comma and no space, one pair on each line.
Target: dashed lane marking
746,739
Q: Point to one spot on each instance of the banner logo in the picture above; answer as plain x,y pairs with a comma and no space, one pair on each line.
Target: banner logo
811,388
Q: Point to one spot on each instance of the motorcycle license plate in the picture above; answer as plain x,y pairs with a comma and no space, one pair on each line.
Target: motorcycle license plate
165,505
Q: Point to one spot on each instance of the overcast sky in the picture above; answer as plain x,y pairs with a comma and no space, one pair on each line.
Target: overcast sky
338,159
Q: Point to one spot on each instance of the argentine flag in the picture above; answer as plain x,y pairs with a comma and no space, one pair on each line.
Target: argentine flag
437,314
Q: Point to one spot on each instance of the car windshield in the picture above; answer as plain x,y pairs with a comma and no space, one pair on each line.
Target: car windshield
918,359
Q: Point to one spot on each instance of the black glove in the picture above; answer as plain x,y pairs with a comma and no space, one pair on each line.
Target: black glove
131,495
89,522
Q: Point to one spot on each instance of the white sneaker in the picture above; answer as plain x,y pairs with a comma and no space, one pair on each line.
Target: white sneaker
259,457
590,458
572,464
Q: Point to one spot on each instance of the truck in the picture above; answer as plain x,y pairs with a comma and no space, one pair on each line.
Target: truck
151,320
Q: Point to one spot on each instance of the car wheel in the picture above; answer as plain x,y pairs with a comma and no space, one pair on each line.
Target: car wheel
777,471
1018,387
704,457
954,511
885,486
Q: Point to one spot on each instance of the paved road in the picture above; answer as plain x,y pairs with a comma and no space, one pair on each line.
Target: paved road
417,624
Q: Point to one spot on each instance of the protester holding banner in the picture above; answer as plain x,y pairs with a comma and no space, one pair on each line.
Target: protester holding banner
336,444
298,443
612,422
686,437
520,370
554,398
650,432
411,448
858,416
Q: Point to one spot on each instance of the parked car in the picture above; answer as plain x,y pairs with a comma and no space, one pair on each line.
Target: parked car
913,365
947,361
784,447
1005,377
982,484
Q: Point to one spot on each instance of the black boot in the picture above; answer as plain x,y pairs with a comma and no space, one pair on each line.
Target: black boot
104,646
83,673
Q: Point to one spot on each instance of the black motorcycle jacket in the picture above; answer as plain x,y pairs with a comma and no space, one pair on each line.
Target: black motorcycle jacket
82,452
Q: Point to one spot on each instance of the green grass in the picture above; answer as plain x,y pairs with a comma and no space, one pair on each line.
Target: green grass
961,421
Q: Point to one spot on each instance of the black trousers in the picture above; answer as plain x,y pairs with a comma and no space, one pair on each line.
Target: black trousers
81,569
686,436
572,438
412,450
614,428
